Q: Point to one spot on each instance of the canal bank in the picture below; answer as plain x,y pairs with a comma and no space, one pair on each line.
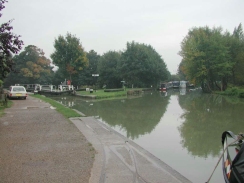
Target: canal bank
120,160
39,145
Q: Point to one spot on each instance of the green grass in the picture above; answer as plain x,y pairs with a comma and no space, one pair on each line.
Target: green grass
67,112
100,94
4,107
233,91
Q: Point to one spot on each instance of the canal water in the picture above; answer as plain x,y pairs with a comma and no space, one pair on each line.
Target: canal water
182,128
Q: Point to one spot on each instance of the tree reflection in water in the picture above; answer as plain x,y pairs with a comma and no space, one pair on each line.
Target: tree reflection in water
206,118
153,122
136,116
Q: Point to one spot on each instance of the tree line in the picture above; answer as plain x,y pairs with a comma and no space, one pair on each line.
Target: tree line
139,65
212,58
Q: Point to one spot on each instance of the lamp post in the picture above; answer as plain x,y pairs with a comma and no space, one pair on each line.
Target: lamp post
95,75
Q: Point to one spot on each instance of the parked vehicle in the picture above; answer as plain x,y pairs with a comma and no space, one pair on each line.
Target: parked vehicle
17,92
30,87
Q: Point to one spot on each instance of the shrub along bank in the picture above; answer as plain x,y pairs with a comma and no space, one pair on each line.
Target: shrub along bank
233,91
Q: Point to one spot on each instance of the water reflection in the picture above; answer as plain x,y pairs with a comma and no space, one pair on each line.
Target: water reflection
180,127
206,117
183,91
137,116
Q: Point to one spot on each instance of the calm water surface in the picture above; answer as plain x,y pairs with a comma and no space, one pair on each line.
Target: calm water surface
181,128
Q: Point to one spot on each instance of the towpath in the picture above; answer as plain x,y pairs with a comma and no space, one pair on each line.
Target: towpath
38,144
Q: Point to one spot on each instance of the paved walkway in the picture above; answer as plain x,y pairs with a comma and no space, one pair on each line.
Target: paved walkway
37,144
119,160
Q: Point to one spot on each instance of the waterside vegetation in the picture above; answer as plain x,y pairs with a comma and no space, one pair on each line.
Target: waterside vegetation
111,94
233,91
213,59
2,107
100,94
67,112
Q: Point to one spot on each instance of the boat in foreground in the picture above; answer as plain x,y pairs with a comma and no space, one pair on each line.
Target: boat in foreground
233,157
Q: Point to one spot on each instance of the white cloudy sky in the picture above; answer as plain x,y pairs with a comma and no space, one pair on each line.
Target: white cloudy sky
104,25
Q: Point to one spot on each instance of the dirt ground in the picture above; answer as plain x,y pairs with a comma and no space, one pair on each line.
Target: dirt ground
38,144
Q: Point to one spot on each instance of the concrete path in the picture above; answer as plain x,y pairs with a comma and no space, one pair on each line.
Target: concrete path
119,160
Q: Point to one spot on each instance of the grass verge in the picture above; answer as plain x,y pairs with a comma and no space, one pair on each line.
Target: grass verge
100,94
4,107
67,112
233,91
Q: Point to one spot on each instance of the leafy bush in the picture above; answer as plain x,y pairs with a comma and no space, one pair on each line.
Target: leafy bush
234,91
241,94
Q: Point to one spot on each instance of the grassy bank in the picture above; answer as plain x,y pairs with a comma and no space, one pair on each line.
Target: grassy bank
233,91
111,93
2,107
100,94
67,112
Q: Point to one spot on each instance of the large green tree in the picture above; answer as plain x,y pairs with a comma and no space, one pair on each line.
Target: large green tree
32,66
58,77
69,55
236,46
182,72
9,44
142,66
108,70
206,58
85,77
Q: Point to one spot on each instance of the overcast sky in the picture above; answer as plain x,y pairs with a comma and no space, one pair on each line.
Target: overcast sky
104,25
